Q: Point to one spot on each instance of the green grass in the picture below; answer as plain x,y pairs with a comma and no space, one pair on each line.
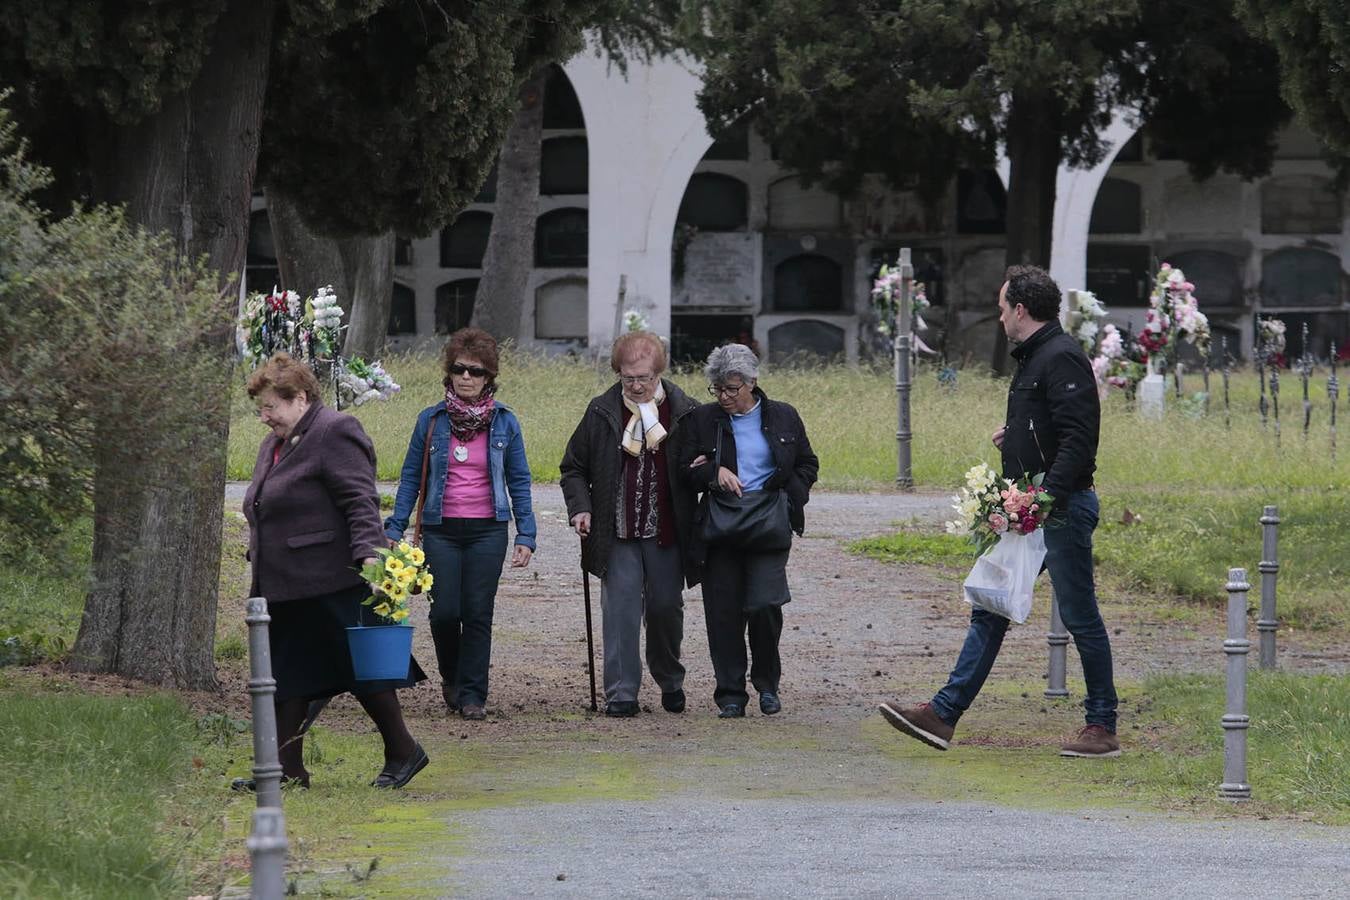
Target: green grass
91,783
1298,756
917,548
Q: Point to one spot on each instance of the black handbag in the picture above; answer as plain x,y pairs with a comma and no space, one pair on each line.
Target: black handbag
755,521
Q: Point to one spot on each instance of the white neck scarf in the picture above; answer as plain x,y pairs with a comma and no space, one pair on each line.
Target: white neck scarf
644,425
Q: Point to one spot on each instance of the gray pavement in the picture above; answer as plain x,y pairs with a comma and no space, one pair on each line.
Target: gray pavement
808,848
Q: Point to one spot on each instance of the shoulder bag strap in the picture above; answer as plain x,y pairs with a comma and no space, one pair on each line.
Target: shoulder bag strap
422,484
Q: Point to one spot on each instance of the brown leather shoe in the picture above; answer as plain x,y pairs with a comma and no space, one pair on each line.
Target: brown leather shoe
919,722
473,712
1093,741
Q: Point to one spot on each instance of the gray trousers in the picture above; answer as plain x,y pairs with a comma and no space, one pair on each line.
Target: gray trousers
641,581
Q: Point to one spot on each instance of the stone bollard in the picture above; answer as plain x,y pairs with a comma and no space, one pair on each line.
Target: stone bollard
1269,567
267,847
267,841
1058,639
1235,719
261,684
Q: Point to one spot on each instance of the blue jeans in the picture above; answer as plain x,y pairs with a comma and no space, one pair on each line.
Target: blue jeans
466,558
1068,546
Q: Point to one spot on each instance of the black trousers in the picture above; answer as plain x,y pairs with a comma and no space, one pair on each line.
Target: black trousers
743,594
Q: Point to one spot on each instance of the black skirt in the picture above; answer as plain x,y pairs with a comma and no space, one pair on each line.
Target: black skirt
310,656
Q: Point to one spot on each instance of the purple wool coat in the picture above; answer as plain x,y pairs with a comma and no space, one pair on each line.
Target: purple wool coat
315,514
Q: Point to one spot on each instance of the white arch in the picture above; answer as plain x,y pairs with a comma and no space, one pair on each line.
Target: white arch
645,135
1075,193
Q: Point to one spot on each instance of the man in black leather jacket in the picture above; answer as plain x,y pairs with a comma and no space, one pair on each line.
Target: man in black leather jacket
1051,426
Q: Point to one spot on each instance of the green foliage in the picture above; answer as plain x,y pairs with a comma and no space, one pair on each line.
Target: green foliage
86,819
912,90
1312,38
406,109
122,59
98,321
42,594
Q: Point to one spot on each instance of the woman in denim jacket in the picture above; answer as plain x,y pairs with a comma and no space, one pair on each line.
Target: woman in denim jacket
477,477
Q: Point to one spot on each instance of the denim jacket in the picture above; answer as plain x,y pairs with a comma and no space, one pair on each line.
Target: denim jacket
509,471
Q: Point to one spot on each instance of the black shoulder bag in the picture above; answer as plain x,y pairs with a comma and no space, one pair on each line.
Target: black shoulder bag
756,521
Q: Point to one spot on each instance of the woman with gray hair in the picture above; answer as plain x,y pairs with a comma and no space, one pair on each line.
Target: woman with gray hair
744,445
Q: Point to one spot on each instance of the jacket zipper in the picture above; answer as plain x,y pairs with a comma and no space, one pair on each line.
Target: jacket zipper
1031,426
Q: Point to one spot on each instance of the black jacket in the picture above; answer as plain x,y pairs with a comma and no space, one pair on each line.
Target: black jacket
796,463
592,465
1054,413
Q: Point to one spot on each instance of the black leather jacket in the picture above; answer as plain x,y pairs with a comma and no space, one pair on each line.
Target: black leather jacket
795,462
1054,413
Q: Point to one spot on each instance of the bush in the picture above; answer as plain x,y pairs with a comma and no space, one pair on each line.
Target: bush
99,323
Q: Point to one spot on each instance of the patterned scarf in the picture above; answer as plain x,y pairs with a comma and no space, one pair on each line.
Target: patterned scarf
644,425
469,418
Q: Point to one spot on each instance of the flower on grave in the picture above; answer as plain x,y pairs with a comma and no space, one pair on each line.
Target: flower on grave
635,321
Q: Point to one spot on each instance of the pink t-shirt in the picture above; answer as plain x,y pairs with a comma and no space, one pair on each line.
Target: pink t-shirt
468,486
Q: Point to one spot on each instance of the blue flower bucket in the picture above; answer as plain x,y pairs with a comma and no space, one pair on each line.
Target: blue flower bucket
380,652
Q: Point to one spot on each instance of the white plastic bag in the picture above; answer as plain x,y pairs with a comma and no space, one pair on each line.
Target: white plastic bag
1001,580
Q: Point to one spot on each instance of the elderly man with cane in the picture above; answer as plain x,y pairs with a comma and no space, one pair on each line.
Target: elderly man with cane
634,517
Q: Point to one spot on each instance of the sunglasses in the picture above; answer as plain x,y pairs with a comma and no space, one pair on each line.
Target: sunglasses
475,371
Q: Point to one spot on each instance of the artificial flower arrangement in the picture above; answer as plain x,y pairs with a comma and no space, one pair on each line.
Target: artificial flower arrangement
990,507
1173,314
310,330
400,573
1270,335
360,382
886,301
1084,319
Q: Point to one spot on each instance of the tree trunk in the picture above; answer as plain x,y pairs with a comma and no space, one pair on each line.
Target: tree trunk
360,269
158,497
368,269
1033,147
307,260
500,305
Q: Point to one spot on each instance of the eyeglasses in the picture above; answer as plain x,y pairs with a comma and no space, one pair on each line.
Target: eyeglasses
475,371
725,390
631,380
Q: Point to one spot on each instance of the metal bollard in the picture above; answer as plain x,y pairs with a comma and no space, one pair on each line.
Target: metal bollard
904,382
267,846
1058,639
1269,567
261,684
1235,719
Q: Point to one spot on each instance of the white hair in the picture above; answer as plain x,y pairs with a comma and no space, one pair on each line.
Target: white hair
731,359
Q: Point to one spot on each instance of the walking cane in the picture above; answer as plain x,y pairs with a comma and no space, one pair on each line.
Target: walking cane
590,641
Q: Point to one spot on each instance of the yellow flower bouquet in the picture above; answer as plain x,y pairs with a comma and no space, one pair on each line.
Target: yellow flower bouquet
400,574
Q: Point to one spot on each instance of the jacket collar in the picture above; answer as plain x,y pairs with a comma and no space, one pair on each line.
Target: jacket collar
1024,350
299,431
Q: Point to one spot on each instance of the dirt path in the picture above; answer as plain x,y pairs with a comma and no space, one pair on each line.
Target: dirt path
857,631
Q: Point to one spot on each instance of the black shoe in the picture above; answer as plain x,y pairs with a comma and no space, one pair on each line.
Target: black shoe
672,702
474,712
732,711
621,709
769,704
397,778
448,695
250,785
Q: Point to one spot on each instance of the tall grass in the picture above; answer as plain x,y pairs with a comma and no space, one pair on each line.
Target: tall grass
84,801
850,415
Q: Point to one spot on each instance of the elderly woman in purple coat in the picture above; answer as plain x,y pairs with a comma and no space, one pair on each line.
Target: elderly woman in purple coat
314,520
